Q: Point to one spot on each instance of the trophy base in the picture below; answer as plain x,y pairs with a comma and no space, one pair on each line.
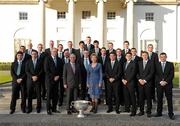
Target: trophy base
81,114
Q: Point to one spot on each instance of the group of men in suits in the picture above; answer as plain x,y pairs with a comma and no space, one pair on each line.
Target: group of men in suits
129,79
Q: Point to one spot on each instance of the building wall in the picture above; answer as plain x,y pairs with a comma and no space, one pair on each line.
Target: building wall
163,29
11,28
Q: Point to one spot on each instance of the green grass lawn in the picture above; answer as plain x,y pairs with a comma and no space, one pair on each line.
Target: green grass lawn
176,79
5,76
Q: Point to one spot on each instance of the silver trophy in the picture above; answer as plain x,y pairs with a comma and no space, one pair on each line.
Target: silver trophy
81,106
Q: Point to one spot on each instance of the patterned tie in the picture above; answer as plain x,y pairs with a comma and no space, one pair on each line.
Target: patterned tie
163,66
18,69
127,63
144,64
103,58
34,63
55,61
86,63
73,67
112,64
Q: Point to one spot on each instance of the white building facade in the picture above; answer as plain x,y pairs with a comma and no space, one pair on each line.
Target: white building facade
139,21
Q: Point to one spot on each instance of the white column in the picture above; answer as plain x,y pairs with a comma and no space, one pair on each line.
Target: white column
129,22
101,22
42,23
71,20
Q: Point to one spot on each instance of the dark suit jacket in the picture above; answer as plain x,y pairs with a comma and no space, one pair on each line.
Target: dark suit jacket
123,52
27,51
62,55
107,52
167,75
91,47
78,55
22,75
101,62
129,74
122,60
72,80
93,51
73,50
48,51
147,73
83,71
30,71
51,70
154,58
115,73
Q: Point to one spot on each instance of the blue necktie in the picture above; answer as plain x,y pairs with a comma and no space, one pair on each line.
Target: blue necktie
18,69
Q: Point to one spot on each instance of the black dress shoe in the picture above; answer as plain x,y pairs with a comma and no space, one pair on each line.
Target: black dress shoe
140,114
158,115
74,111
69,112
29,111
132,114
23,110
55,111
127,110
49,112
117,112
38,110
172,117
148,115
109,110
12,111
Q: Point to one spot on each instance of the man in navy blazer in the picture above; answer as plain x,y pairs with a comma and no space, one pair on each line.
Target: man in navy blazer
18,82
164,84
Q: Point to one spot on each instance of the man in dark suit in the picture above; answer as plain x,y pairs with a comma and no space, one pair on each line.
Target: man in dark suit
25,55
103,59
53,70
113,74
72,81
51,46
66,57
126,48
121,60
128,79
84,63
96,49
79,52
18,82
41,57
136,59
88,46
29,48
144,76
70,48
33,71
154,58
61,85
60,51
164,83
110,48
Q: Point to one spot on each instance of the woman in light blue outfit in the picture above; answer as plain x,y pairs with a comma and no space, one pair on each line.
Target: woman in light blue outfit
94,81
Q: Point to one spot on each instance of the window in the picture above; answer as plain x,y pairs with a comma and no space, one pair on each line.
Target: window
86,14
111,15
23,16
149,16
61,15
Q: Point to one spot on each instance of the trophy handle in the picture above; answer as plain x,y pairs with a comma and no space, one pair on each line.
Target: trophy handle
89,103
72,103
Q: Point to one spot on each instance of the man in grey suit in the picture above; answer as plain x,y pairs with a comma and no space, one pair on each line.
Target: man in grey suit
72,81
